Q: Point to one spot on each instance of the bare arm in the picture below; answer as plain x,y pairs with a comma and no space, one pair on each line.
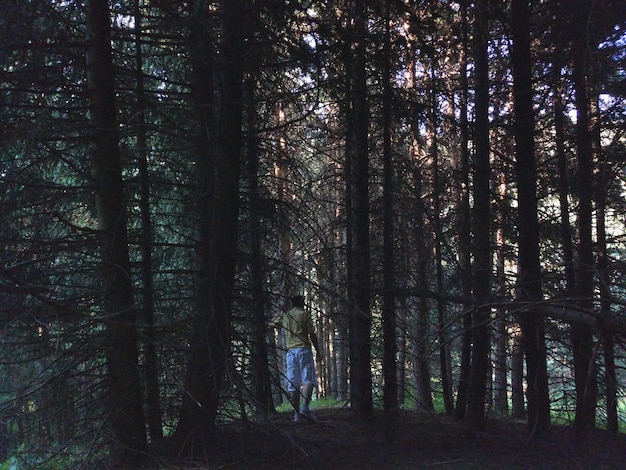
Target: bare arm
275,321
314,342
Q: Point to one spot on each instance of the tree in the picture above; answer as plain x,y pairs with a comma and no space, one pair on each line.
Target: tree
582,335
153,405
481,316
529,266
125,407
464,222
218,164
357,168
390,394
262,389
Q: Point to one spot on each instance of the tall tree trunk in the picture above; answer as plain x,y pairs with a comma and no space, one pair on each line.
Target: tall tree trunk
529,267
153,403
481,318
608,340
518,407
444,360
500,353
261,378
582,336
390,392
464,227
563,185
124,403
346,309
402,353
288,281
421,338
218,203
420,331
359,275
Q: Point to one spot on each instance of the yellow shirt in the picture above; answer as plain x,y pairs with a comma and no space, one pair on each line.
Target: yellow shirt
298,328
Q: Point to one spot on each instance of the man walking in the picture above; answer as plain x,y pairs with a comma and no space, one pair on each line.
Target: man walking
299,336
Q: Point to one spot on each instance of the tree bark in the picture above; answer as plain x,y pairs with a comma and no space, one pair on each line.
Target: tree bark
124,403
603,268
529,267
444,360
481,317
390,392
464,227
501,340
582,336
420,322
518,408
359,275
217,162
261,378
153,405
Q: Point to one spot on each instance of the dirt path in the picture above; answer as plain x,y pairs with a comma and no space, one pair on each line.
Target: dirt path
413,441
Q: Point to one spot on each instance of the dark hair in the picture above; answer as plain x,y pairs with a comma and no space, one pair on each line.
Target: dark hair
297,301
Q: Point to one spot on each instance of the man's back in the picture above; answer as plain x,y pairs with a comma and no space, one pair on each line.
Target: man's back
298,328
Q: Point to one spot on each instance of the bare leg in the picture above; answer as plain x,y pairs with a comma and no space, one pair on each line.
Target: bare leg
295,400
307,393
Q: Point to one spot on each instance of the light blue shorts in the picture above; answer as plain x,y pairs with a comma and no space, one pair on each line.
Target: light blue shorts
300,368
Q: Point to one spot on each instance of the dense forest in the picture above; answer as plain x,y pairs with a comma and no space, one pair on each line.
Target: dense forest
444,182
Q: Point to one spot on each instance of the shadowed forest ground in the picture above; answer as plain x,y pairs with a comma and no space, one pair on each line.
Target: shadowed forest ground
416,440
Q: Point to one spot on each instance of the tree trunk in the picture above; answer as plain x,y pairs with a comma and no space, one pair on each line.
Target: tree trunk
402,353
359,273
563,184
518,407
421,340
153,404
419,328
464,228
481,317
124,402
261,378
444,360
582,335
607,335
218,203
529,267
500,353
390,392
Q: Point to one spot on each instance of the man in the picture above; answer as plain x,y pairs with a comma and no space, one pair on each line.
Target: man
299,336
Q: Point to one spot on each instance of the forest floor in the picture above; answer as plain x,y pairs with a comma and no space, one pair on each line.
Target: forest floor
415,440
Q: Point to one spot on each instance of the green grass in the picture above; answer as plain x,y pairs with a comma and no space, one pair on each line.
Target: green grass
315,403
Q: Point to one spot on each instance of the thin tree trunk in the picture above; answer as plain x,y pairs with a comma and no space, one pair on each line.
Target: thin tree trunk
608,340
481,317
262,386
444,360
500,388
420,330
288,280
518,407
464,228
359,275
563,185
402,353
124,402
422,355
582,336
153,403
390,392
